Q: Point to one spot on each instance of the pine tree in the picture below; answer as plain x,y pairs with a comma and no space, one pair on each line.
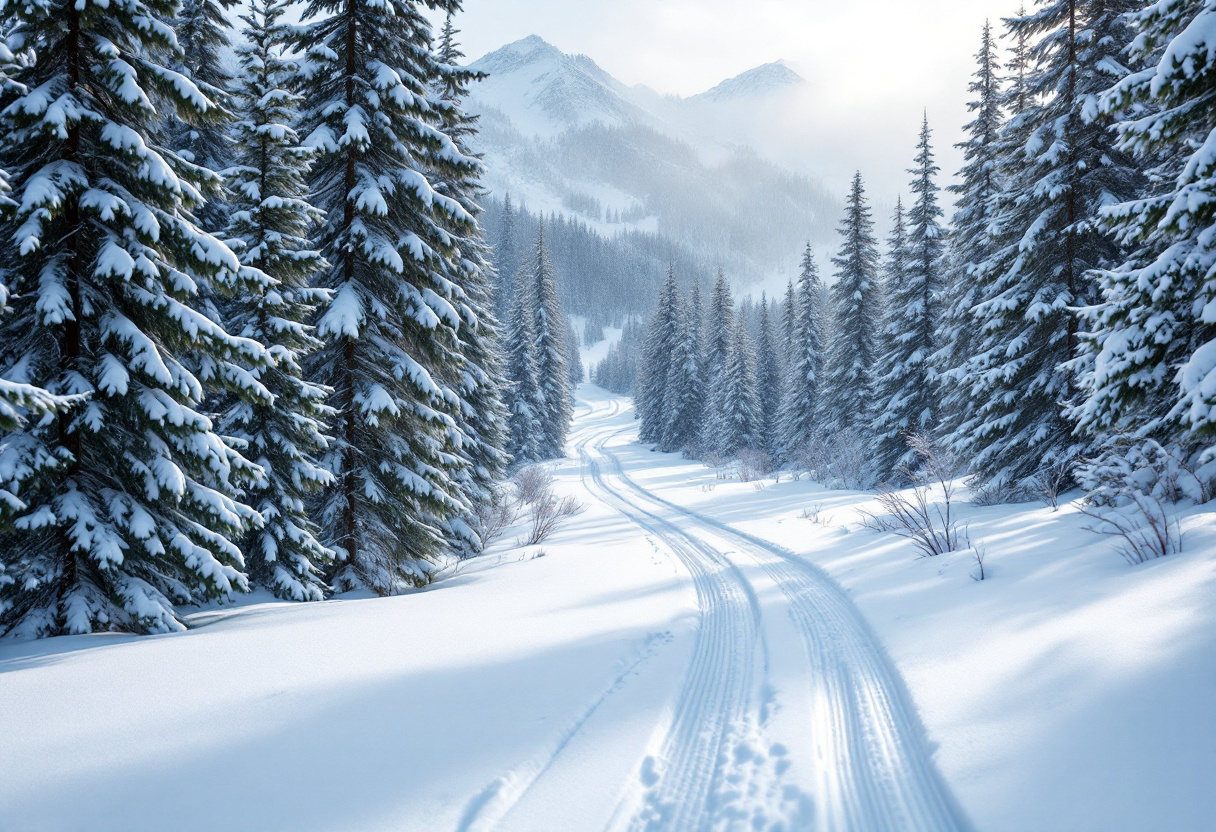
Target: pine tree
1059,166
800,409
271,218
134,509
717,334
524,404
202,29
970,243
505,259
552,375
392,326
768,384
789,314
577,372
907,400
736,425
848,385
662,339
481,416
1153,336
685,395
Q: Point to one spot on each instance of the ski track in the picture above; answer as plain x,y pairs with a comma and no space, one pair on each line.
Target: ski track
711,765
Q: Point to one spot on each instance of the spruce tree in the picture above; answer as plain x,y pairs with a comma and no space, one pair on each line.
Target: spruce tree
970,243
736,425
203,28
848,394
800,409
577,372
552,373
392,327
506,259
524,403
662,338
1153,336
717,334
137,511
907,397
1060,165
271,217
481,416
685,395
768,383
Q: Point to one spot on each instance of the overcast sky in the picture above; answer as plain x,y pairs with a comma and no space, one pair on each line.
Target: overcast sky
875,65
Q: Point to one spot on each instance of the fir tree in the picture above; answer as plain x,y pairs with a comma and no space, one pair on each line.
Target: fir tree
719,322
505,259
577,372
552,374
524,404
1153,336
736,425
392,326
970,243
662,339
134,511
271,218
800,407
848,385
768,383
685,395
1059,166
907,400
202,29
481,416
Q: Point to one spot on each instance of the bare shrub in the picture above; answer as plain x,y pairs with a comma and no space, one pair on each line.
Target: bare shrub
1053,480
753,464
532,484
912,513
815,515
838,461
494,515
548,512
979,552
1145,533
998,492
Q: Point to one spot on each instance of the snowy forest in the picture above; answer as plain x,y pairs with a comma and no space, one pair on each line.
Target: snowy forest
493,444
1056,332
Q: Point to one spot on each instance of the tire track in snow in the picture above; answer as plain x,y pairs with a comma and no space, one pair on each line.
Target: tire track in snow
876,773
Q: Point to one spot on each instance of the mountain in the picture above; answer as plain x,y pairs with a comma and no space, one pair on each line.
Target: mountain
761,82
562,135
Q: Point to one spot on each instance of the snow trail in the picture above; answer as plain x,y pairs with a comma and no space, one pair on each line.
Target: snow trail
872,770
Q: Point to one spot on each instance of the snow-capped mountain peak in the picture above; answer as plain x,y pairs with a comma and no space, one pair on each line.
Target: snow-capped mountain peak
761,81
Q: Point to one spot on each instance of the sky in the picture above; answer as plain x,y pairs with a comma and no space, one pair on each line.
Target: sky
875,67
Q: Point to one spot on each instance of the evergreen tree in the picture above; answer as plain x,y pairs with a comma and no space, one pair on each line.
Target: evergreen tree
202,29
481,416
552,374
800,407
736,425
768,383
1059,166
392,327
577,372
685,395
719,321
134,509
506,259
662,338
848,385
1153,336
970,243
524,403
907,389
788,316
271,218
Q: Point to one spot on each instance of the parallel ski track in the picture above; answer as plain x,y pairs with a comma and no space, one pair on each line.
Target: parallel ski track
877,774
719,680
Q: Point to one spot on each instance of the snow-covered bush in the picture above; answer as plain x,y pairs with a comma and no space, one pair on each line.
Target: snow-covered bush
494,515
998,492
532,484
912,513
1128,466
753,465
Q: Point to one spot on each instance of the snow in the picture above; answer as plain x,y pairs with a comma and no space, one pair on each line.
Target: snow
550,687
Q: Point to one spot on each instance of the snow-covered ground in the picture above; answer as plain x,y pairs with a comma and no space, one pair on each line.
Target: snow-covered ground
661,663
